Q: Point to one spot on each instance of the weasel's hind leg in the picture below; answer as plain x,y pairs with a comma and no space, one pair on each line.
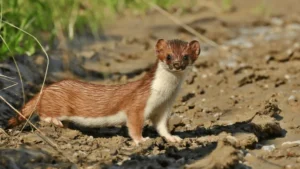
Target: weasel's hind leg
52,120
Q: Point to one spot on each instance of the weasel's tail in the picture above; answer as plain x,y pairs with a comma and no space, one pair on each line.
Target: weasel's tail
26,112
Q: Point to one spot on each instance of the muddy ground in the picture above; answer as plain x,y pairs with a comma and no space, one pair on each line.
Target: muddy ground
238,108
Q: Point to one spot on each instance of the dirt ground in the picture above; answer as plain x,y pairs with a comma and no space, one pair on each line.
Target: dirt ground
238,108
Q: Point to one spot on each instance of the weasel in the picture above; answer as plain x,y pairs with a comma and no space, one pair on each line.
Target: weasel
94,105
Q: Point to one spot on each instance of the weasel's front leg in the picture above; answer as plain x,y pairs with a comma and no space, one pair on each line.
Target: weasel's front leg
135,124
159,121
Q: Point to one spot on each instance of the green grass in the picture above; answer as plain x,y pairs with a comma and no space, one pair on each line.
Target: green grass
49,19
262,9
226,5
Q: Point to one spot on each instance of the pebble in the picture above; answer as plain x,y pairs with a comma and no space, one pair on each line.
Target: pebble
287,76
86,54
269,147
292,98
72,134
288,166
232,140
66,146
276,21
32,138
90,139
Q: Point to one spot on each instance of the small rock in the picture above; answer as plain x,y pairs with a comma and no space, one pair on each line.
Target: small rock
223,156
191,78
94,156
72,134
86,54
288,166
245,140
232,140
81,154
276,21
201,91
90,139
285,56
269,147
265,126
191,104
292,98
174,121
291,142
66,146
113,151
187,97
32,138
293,26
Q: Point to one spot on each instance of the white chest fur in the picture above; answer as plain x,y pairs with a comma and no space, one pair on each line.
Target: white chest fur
118,118
164,88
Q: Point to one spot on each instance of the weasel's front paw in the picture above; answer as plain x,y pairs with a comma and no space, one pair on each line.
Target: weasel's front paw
138,141
173,139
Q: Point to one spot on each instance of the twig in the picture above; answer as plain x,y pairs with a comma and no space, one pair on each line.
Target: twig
183,25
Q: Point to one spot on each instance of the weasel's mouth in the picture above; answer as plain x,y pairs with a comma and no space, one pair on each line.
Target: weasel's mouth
176,69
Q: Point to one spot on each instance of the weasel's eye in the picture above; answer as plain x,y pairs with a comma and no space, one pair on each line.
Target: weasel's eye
169,57
185,57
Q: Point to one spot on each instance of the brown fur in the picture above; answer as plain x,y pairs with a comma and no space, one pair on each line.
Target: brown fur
76,98
177,49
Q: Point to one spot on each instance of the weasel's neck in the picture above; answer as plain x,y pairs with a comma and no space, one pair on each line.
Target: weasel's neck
162,80
165,80
164,88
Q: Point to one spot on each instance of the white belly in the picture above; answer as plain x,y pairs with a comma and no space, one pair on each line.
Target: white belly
119,118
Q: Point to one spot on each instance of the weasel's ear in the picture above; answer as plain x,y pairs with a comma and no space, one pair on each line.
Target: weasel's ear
194,49
160,46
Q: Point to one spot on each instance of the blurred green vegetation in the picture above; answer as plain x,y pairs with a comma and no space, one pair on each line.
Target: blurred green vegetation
49,19
226,4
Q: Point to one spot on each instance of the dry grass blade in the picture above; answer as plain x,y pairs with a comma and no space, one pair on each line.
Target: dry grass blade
40,133
9,86
183,25
47,65
17,67
6,77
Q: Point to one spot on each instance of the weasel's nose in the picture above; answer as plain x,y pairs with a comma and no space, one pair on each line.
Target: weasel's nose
176,65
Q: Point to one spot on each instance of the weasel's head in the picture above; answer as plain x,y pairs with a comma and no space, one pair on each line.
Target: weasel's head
177,55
